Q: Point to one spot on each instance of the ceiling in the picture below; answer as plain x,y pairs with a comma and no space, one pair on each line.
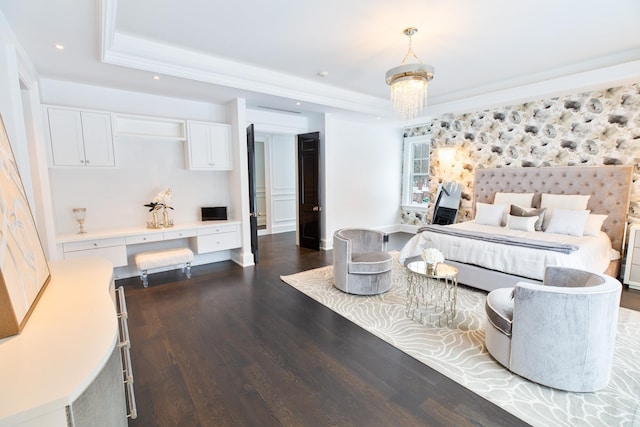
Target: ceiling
272,52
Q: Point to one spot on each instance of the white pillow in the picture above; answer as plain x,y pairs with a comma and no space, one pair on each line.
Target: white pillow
489,214
564,201
567,221
524,200
524,223
561,201
593,225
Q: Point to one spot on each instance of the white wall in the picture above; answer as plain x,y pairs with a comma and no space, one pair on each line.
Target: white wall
363,164
114,197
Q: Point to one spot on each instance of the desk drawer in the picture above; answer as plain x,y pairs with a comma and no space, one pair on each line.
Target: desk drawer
179,234
93,244
144,238
217,242
222,228
116,254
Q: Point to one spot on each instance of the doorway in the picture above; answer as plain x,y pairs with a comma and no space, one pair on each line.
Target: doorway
275,182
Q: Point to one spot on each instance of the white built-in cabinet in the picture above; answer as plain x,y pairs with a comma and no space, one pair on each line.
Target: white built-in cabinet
208,146
80,138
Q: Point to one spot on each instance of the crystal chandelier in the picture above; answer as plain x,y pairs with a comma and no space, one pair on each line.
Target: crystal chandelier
409,83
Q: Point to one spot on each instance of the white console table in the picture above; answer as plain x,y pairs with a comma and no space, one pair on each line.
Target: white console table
120,245
66,363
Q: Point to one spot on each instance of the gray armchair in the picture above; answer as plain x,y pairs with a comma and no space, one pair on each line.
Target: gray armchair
361,264
560,334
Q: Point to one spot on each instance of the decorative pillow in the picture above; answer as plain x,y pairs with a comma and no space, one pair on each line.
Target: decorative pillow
523,200
567,221
518,211
593,225
565,201
561,201
524,223
487,214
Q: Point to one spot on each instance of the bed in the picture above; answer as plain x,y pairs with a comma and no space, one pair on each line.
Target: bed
486,255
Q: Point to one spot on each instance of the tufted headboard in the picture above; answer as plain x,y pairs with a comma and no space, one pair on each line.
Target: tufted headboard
609,187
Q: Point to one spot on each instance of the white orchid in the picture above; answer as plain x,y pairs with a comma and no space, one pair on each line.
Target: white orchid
161,201
432,256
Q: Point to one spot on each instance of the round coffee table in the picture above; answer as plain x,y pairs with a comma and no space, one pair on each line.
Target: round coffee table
431,296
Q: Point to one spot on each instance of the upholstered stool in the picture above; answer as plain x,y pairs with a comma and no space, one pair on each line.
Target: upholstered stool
146,261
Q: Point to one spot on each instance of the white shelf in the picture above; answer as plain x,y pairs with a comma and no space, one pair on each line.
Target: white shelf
150,127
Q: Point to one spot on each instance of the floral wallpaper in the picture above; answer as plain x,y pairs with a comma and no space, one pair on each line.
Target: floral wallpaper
591,128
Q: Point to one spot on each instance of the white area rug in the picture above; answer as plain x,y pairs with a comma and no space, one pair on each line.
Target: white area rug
458,352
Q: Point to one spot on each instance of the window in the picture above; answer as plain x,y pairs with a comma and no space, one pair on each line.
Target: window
415,182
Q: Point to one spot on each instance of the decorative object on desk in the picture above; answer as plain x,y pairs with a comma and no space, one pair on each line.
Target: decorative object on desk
24,272
160,202
80,214
432,257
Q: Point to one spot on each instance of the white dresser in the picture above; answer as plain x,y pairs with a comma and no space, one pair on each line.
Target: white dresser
65,367
632,262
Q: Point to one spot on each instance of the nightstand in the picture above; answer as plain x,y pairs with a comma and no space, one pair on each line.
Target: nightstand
632,263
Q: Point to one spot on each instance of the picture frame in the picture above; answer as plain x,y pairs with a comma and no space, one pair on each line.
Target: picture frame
24,271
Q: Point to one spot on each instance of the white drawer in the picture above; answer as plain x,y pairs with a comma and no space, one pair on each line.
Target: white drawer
116,254
144,238
217,242
634,273
635,259
93,244
179,234
222,228
636,240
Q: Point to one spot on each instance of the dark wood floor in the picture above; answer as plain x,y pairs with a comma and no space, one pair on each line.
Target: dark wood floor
238,347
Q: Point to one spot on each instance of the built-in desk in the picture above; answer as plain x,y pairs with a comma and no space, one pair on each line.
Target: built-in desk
119,245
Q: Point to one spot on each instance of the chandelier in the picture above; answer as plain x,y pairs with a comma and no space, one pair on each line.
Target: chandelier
409,83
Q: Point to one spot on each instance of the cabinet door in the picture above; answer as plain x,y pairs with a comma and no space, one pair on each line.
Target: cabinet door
198,146
209,146
220,140
65,129
98,139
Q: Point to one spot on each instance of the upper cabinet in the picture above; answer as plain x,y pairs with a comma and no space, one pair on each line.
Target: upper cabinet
208,146
80,138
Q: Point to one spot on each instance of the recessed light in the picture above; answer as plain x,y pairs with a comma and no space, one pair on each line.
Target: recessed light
298,103
156,77
58,46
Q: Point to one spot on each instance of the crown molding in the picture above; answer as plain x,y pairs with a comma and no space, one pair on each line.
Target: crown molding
142,54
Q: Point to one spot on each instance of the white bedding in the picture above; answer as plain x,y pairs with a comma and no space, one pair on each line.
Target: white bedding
594,254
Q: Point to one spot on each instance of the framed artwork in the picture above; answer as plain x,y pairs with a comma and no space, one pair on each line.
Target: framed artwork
24,272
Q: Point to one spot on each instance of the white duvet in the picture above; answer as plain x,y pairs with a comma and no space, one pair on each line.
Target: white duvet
594,254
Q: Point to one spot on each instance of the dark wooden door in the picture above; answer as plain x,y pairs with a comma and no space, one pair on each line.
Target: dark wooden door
309,208
253,209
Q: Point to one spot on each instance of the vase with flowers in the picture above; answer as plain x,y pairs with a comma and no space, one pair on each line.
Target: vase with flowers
160,203
432,257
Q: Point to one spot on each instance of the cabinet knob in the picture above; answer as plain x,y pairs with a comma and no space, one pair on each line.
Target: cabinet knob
95,244
87,161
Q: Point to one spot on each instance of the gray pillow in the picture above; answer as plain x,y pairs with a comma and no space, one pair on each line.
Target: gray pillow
518,211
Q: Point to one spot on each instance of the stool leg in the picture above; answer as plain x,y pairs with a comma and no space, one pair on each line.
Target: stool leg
143,277
188,265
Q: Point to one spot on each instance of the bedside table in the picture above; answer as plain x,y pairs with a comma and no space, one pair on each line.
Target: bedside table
632,261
